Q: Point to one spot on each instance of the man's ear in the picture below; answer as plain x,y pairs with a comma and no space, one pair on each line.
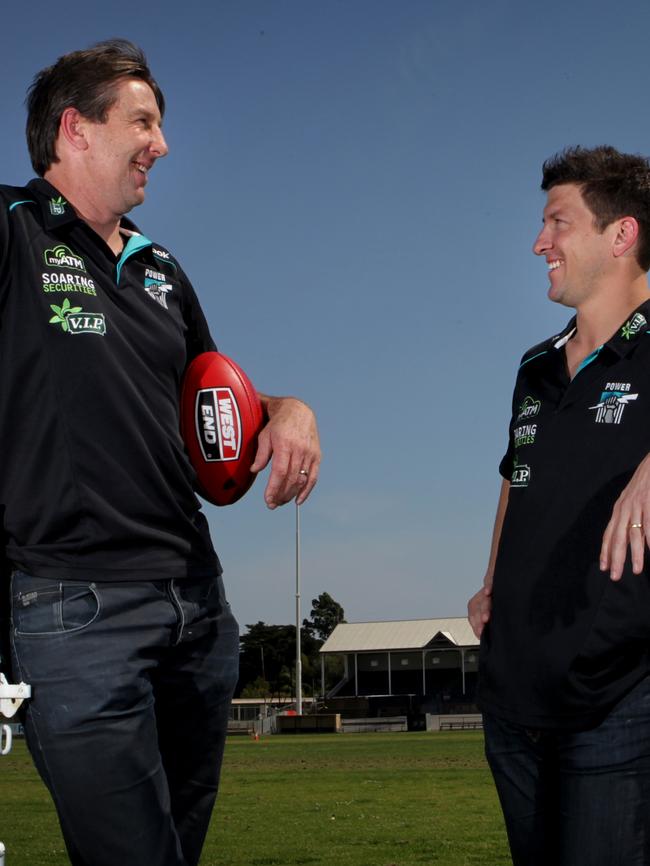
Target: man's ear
72,129
626,236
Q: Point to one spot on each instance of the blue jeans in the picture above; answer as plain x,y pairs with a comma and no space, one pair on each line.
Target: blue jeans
576,798
131,688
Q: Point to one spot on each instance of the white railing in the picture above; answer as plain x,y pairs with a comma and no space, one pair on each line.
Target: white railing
11,697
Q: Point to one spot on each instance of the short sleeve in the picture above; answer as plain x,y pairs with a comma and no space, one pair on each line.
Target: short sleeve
197,338
507,464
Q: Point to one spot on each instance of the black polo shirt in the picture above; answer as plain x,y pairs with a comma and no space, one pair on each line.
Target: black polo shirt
95,481
565,643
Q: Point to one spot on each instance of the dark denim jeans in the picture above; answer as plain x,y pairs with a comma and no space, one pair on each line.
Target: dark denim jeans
131,688
576,798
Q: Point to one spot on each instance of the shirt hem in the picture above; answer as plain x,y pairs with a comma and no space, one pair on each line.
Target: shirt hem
557,721
163,571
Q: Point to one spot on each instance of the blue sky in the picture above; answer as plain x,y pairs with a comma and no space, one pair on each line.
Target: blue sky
353,187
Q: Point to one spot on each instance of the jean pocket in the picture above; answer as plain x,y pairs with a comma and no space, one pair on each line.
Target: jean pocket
43,607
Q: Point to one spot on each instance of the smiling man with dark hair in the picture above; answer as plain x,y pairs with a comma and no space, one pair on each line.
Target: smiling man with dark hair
564,613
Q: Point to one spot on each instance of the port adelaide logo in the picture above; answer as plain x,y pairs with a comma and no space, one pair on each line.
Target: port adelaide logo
218,424
612,403
157,286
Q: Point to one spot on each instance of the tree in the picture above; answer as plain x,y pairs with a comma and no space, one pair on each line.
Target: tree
259,688
268,652
326,614
267,655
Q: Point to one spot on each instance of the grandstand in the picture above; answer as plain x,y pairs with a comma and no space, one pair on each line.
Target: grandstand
414,667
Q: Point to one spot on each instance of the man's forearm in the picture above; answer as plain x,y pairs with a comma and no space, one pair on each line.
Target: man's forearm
502,506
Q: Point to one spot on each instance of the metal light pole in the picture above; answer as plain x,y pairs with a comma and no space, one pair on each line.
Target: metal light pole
298,647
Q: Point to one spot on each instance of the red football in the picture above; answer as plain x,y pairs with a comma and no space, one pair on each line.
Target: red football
221,417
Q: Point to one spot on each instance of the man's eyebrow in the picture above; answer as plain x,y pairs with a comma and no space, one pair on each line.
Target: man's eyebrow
553,214
140,111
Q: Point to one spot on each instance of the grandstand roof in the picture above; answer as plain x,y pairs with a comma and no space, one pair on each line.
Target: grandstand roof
411,634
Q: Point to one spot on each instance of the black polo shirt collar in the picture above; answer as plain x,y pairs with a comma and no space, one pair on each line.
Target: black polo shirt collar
57,211
627,337
623,341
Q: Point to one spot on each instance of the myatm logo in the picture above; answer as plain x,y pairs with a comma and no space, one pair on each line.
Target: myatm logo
218,425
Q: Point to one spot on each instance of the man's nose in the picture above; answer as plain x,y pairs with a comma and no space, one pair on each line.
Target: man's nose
159,145
542,242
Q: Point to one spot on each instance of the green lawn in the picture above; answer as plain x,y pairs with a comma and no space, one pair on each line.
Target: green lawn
328,800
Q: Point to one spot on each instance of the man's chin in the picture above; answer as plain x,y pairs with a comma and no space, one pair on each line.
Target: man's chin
556,294
136,199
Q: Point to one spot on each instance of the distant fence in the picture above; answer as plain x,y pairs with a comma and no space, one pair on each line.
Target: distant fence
318,723
266,726
386,723
313,723
464,722
243,727
251,727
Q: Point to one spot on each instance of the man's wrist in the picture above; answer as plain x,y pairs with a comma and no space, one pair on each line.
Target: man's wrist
271,405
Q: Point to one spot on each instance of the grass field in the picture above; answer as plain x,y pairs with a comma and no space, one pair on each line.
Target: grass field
328,800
